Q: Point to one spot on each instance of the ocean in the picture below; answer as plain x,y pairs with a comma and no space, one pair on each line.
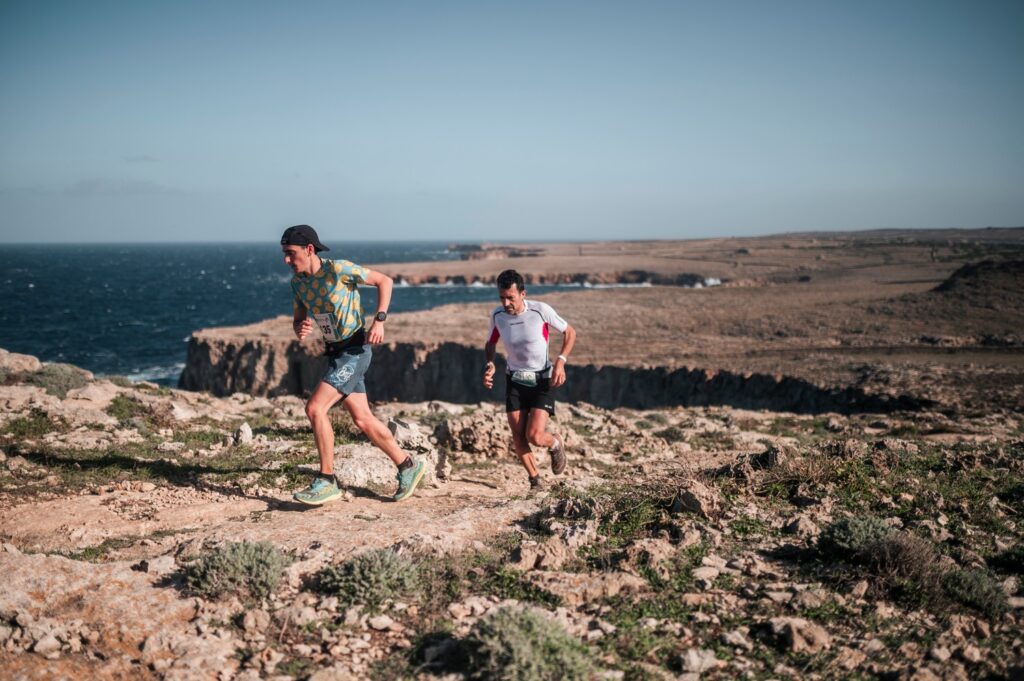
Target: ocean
128,310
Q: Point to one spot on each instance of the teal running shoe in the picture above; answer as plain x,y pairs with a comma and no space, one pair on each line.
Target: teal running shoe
319,492
408,479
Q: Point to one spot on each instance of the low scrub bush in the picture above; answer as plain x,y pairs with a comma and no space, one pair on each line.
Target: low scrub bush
125,408
58,379
369,579
1010,560
672,434
907,566
815,472
33,425
516,644
712,440
977,589
852,539
243,568
485,572
623,513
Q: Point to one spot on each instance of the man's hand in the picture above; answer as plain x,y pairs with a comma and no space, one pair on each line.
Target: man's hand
376,333
489,375
558,374
302,328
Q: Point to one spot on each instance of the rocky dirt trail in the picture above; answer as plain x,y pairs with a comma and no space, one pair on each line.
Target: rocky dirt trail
686,543
108,488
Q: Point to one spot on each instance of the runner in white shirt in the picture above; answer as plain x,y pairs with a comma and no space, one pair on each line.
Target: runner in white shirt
522,326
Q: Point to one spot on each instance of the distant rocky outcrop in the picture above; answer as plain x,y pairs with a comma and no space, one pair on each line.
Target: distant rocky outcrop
987,279
629,277
489,252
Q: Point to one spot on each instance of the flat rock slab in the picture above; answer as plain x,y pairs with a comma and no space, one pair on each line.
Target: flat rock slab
124,605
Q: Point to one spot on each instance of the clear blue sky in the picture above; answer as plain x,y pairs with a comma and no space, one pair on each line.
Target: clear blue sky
224,121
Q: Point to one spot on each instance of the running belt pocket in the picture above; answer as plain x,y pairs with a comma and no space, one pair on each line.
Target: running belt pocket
525,378
356,340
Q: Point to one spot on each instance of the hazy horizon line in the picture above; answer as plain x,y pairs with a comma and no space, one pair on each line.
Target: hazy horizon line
807,232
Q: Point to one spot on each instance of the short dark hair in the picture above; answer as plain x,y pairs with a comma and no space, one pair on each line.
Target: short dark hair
509,277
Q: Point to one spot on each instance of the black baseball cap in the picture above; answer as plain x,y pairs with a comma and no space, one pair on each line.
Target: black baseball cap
302,235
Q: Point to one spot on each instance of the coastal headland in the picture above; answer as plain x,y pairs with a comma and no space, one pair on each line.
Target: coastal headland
808,323
812,469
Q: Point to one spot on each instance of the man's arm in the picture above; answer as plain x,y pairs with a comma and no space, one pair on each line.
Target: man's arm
568,341
384,284
301,324
489,351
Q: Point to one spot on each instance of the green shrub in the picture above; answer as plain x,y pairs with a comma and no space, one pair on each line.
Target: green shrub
515,644
58,379
124,408
654,417
711,440
977,589
904,565
672,434
237,568
1010,560
369,579
121,381
34,425
907,566
851,539
505,582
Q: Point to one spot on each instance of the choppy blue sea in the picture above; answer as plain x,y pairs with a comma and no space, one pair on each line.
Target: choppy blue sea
129,309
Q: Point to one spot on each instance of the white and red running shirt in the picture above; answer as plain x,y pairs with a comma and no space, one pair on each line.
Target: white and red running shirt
525,335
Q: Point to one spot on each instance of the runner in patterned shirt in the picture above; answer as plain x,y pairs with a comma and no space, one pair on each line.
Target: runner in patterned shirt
522,325
327,296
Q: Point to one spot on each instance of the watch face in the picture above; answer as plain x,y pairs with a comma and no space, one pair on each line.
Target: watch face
382,316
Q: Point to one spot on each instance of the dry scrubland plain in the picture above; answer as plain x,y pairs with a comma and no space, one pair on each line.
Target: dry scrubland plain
854,310
149,533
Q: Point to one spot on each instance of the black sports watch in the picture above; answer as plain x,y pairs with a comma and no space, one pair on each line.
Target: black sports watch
381,316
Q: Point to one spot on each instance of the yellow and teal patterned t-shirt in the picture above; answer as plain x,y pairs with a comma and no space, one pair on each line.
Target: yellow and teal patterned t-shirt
331,298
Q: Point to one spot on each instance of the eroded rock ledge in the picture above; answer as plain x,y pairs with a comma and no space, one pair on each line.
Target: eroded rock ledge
261,359
630,277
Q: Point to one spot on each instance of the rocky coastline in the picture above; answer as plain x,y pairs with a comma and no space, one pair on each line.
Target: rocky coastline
796,479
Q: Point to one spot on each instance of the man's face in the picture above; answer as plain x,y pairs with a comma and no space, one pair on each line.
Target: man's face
299,258
512,299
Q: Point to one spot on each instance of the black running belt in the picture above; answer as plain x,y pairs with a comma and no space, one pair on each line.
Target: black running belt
355,340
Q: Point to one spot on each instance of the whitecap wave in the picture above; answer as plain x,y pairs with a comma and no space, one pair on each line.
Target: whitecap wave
641,284
158,374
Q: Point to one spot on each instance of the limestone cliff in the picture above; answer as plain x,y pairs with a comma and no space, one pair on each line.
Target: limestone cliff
263,359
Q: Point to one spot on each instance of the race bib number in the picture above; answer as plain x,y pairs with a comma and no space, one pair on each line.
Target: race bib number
326,322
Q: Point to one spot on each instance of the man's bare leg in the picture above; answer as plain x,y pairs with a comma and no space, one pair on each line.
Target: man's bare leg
324,397
359,408
536,429
518,421
538,435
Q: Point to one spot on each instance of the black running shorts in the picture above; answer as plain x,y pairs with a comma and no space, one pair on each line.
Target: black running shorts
523,398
